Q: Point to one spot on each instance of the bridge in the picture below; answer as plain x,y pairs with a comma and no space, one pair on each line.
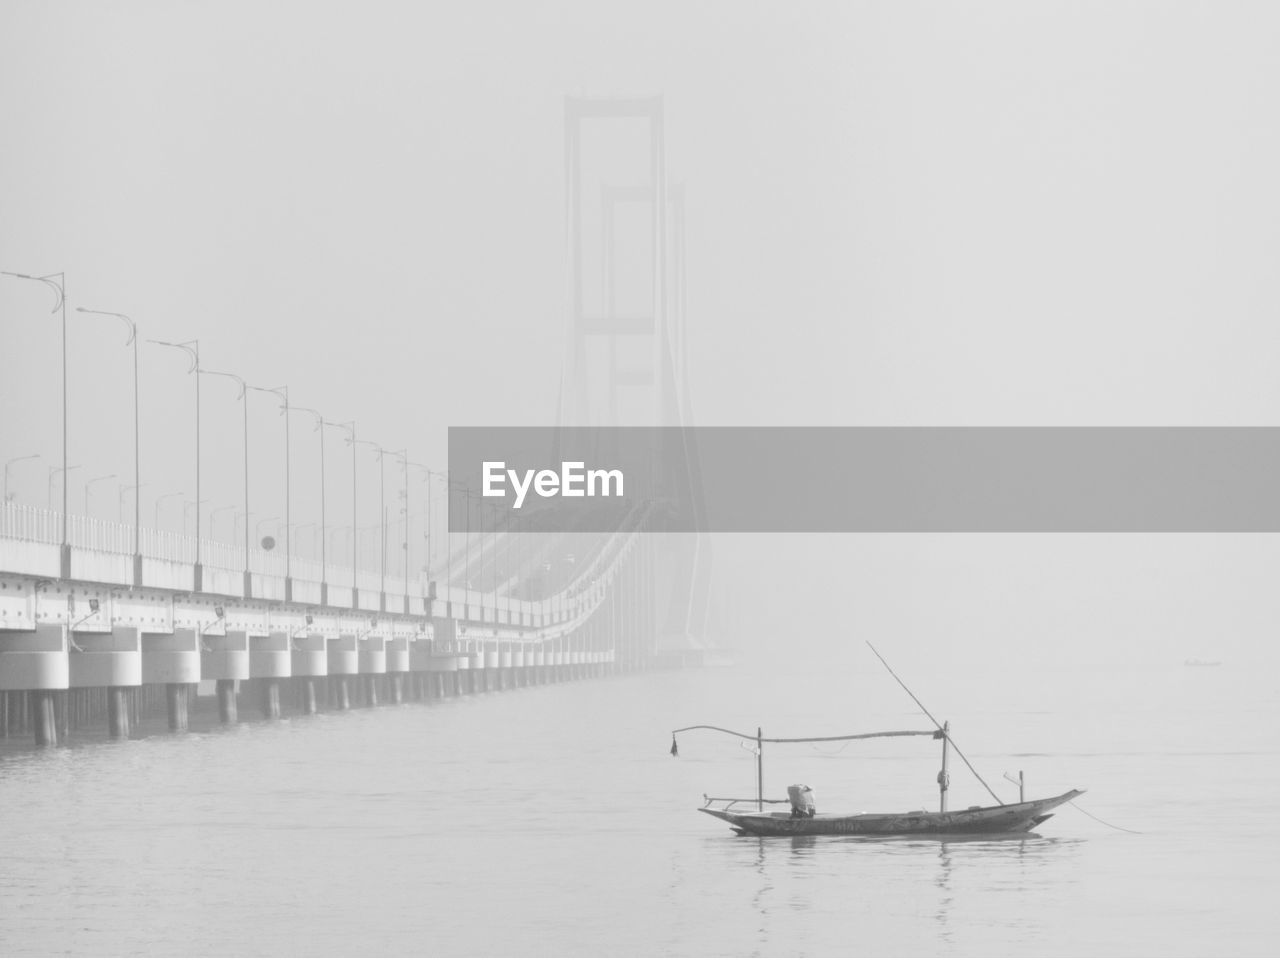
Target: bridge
104,622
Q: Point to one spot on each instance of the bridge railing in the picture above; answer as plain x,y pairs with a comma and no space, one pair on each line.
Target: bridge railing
30,524
102,551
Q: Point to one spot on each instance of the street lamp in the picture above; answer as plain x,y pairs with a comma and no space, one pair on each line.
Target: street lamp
404,495
53,471
244,399
324,575
137,480
430,474
89,485
350,429
34,455
493,559
192,348
465,490
283,393
382,520
58,283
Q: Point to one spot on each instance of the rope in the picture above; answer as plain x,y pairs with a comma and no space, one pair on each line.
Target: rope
937,723
1101,822
824,738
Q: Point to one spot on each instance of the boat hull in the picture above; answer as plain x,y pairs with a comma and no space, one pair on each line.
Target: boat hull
990,820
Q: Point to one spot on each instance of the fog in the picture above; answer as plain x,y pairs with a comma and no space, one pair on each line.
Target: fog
896,214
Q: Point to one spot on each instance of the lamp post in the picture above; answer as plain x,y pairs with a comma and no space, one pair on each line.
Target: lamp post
137,458
324,574
53,471
430,585
34,455
466,555
283,393
89,485
192,348
58,283
493,560
382,523
404,545
161,499
244,401
350,429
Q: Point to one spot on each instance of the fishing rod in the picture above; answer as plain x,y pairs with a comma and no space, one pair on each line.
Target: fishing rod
941,728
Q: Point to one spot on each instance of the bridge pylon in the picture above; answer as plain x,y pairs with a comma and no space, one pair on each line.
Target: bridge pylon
657,371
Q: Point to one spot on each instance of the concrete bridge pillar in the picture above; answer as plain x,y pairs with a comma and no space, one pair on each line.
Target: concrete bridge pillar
227,711
110,660
341,693
225,658
177,706
492,662
309,660
308,695
373,665
270,698
397,665
270,660
462,677
118,712
343,662
44,716
172,660
36,663
506,667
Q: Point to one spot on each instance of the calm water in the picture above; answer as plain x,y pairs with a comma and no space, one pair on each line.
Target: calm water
552,821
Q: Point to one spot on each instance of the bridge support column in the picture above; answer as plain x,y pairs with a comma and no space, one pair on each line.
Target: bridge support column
118,712
173,660
225,658
308,703
343,662
397,688
270,698
177,698
44,716
371,690
227,712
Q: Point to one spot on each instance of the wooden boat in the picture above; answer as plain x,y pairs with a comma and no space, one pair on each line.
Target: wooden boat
802,818
988,820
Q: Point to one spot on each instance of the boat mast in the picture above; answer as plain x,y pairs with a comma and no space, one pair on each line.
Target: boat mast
944,776
759,769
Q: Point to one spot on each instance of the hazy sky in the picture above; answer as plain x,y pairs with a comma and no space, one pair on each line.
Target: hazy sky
898,213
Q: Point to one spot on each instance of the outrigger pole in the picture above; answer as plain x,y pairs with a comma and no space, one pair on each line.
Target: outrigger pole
759,739
944,778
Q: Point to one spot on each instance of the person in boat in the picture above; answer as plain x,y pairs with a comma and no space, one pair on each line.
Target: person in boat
802,804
